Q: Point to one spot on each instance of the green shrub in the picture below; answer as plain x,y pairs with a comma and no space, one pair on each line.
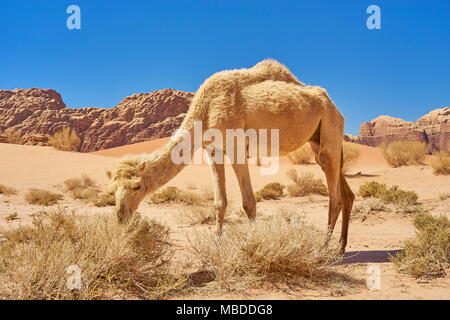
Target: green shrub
372,189
428,254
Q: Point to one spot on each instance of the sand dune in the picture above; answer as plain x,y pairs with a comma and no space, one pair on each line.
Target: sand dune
25,167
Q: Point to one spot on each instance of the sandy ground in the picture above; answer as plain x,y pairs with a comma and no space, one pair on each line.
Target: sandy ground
370,241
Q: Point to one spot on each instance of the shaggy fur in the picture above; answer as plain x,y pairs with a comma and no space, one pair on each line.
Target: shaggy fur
266,96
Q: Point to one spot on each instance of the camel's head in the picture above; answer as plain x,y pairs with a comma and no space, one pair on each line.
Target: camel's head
127,182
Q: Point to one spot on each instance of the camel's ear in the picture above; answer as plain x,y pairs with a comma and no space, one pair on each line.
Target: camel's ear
108,174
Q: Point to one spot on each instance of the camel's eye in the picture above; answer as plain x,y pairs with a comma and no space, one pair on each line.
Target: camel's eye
136,188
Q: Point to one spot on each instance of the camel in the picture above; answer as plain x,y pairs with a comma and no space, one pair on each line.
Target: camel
266,96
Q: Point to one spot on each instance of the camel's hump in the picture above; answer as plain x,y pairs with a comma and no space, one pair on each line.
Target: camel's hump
268,69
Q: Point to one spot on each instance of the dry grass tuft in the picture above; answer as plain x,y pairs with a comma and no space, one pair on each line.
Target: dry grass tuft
198,215
7,190
126,261
404,153
303,155
42,197
305,184
428,254
444,196
271,191
363,209
105,200
351,154
270,250
174,195
441,163
83,188
66,140
14,136
404,200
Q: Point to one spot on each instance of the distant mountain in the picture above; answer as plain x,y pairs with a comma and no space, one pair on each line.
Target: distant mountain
432,129
38,113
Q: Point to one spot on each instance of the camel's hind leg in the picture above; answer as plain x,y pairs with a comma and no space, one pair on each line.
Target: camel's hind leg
327,147
329,159
248,198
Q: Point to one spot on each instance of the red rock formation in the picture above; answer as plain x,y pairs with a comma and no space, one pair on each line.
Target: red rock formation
433,129
436,124
37,113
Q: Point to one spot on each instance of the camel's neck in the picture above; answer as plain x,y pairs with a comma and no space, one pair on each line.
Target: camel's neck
166,163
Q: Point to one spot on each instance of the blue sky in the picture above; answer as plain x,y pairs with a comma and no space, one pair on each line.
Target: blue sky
135,46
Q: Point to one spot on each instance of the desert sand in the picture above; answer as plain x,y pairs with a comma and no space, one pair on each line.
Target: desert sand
370,241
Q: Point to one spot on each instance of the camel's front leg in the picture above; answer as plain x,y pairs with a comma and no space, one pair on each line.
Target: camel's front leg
245,184
220,194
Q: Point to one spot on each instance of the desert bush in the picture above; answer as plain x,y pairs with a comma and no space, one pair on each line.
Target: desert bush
428,254
405,200
372,189
7,190
271,191
444,196
129,261
42,197
403,153
305,184
104,200
66,140
303,155
270,250
198,215
83,187
400,198
441,163
351,154
361,210
14,136
175,195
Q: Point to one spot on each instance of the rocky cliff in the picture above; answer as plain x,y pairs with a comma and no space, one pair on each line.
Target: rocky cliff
38,113
432,129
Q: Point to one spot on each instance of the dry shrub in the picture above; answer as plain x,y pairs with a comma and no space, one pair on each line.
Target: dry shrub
105,200
42,197
175,195
303,155
363,209
404,200
305,184
7,190
351,154
14,136
66,140
428,254
404,153
441,163
131,260
83,187
444,196
198,215
271,191
270,250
